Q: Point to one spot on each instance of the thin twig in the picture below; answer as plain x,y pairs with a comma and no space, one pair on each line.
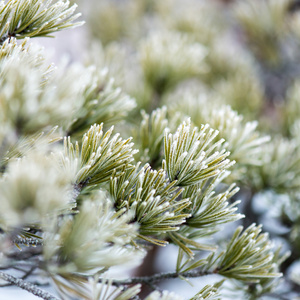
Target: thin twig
151,280
29,272
26,274
29,287
161,276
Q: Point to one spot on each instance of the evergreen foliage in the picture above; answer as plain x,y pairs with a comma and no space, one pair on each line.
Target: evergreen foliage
180,88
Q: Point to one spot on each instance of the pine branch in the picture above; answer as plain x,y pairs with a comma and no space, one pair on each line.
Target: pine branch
29,287
101,102
35,18
191,154
100,156
153,199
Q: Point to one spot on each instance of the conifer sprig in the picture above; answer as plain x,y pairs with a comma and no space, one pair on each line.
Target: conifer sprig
101,292
153,200
32,103
249,256
280,170
32,188
151,134
209,292
33,18
208,210
190,155
242,139
99,157
101,102
92,240
211,208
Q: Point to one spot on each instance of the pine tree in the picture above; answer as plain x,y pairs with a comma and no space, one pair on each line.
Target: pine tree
184,119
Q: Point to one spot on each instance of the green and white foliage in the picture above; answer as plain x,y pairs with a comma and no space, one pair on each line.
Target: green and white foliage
110,22
248,256
102,291
33,18
196,18
268,284
93,240
280,170
242,139
241,90
209,292
36,102
230,71
99,157
32,188
12,50
210,206
265,24
101,102
149,138
95,201
152,198
24,146
292,107
184,59
209,209
295,130
191,156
